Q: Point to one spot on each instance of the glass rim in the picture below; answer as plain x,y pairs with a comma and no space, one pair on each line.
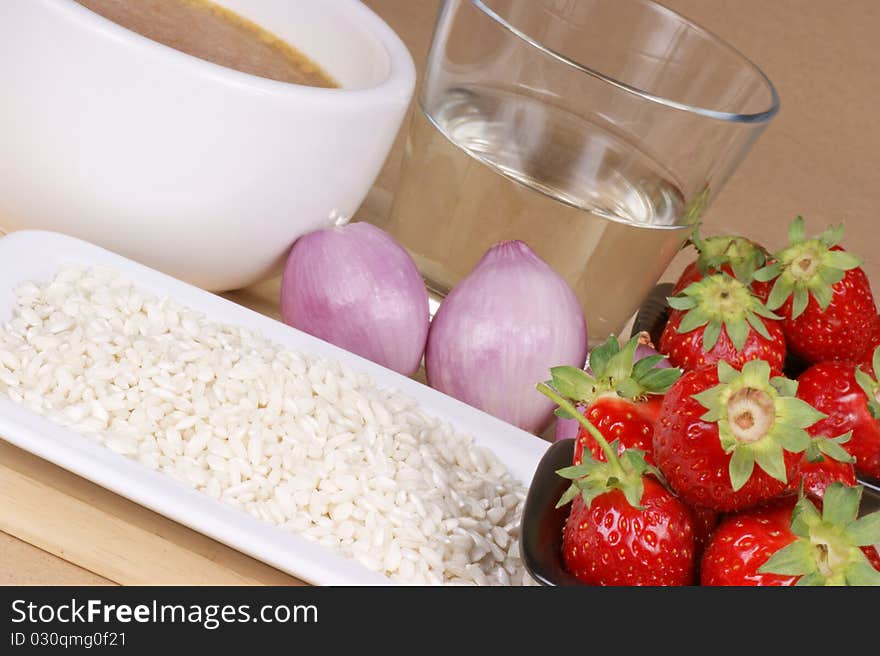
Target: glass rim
731,117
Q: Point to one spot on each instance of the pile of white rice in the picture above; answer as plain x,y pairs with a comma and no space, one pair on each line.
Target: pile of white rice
298,441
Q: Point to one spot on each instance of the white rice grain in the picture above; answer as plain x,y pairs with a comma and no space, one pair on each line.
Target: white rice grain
297,441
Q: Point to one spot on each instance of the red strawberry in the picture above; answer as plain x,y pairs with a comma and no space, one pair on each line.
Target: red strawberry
719,319
823,295
850,397
650,406
622,421
866,359
619,397
728,439
824,462
624,527
736,256
815,477
705,521
743,542
611,542
791,542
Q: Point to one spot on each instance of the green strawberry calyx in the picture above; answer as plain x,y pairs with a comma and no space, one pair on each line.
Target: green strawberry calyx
827,549
758,419
807,267
721,301
822,447
742,255
594,478
615,372
870,385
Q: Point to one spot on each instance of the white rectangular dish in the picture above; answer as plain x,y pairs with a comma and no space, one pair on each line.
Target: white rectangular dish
37,255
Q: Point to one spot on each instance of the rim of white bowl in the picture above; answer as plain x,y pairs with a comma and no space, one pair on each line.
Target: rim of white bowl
400,79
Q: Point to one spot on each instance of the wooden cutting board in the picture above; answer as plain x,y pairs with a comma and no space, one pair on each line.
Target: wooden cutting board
120,541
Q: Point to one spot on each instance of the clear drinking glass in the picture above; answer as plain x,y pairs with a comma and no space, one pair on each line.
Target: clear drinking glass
597,131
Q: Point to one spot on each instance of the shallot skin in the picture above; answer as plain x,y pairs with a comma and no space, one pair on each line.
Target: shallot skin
356,287
500,330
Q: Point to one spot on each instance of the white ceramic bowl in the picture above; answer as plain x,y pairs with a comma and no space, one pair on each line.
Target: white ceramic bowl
197,170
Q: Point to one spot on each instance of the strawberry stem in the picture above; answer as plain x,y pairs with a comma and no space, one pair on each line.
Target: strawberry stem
562,402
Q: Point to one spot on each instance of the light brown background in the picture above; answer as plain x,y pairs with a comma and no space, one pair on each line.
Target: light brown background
819,158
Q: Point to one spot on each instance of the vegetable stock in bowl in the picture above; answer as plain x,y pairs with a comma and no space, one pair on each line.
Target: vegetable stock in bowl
206,30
